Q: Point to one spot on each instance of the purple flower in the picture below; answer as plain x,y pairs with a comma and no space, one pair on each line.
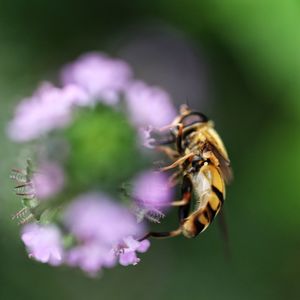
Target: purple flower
91,257
98,225
97,217
48,180
44,243
101,76
127,252
152,191
149,106
47,109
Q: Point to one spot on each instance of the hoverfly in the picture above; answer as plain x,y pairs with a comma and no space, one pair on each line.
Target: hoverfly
198,152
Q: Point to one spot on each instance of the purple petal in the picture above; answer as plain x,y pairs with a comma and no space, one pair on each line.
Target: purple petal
101,76
149,106
96,216
151,190
144,246
131,243
128,258
44,243
47,109
91,257
48,180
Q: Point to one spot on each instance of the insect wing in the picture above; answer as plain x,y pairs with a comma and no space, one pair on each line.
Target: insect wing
224,165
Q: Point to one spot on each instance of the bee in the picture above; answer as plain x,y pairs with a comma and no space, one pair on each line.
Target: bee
198,152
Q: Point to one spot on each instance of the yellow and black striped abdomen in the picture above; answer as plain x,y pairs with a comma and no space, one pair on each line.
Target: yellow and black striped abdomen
209,190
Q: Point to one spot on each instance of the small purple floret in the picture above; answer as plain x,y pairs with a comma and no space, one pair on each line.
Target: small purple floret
149,106
102,77
127,254
97,217
99,224
48,108
44,243
91,257
48,180
152,190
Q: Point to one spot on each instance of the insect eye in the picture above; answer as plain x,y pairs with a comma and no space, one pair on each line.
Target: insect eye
193,118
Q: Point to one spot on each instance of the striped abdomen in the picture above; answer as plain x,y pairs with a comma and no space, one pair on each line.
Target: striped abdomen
209,190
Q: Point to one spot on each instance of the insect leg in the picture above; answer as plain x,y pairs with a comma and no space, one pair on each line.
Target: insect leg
179,137
174,179
178,203
177,162
184,207
186,198
161,235
186,190
171,153
182,202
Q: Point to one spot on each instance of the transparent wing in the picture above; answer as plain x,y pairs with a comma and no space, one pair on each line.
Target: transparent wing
224,164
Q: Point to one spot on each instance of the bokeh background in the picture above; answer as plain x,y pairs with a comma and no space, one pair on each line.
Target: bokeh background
236,61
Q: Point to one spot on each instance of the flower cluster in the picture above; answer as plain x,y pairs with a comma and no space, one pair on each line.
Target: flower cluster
103,232
94,77
91,231
48,108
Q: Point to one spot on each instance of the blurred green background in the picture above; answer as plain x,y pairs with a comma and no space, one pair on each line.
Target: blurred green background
251,51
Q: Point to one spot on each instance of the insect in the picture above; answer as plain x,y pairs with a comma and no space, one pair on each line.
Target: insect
198,152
